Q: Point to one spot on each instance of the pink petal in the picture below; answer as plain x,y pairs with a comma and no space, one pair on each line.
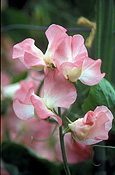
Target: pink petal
42,111
70,71
64,52
79,129
98,131
26,46
19,49
104,109
58,92
34,61
91,73
71,50
26,89
78,48
101,124
23,111
28,96
55,34
75,151
89,118
88,141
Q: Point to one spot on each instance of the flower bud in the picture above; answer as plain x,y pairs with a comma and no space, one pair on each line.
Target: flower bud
94,127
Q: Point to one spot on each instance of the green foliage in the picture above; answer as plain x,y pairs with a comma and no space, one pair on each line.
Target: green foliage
60,12
101,94
11,16
19,77
41,15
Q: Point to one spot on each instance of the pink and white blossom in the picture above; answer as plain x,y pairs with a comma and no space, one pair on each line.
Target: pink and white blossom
22,105
71,58
33,57
94,127
57,92
22,131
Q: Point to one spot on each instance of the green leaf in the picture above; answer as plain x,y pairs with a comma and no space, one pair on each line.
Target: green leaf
101,94
12,16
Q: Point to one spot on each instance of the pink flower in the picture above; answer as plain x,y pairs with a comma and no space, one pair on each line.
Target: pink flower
73,62
94,127
58,92
22,131
40,130
33,57
21,103
75,152
91,74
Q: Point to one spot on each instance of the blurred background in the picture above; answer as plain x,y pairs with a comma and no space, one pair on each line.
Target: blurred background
29,19
66,13
44,13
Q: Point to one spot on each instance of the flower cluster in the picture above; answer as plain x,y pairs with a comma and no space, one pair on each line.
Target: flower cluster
65,60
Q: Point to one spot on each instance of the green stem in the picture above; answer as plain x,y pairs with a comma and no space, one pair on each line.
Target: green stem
99,159
98,34
103,146
63,147
107,38
40,86
66,131
100,146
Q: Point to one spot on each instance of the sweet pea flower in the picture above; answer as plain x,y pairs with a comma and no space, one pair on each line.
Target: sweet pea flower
94,127
33,57
23,131
75,152
57,92
71,58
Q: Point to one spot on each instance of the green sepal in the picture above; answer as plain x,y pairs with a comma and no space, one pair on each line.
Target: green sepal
70,122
